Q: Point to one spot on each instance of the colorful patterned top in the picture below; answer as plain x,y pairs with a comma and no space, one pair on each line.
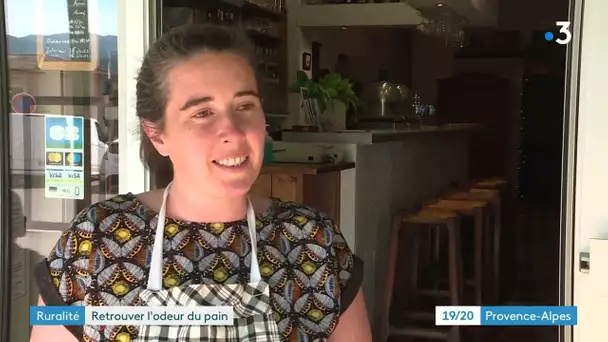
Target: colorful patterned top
104,258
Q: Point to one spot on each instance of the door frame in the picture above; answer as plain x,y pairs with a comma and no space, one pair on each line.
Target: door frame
569,149
137,28
5,185
584,213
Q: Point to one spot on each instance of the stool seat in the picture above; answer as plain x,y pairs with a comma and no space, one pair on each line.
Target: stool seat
492,182
464,207
485,191
476,194
430,216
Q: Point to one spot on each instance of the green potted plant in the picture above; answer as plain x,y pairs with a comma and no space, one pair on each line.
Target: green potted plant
334,95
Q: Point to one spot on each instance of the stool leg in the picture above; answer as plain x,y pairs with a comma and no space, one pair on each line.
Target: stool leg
455,273
496,248
415,253
488,293
455,264
478,257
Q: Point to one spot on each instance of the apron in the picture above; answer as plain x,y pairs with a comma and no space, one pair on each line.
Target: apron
253,315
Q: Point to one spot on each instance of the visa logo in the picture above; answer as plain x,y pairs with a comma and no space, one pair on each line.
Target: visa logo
54,174
74,175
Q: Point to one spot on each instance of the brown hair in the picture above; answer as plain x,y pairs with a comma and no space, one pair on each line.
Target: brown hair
176,46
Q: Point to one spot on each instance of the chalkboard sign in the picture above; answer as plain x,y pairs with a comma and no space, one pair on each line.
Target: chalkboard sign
75,49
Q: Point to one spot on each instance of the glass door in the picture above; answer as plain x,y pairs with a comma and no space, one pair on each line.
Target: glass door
585,216
64,110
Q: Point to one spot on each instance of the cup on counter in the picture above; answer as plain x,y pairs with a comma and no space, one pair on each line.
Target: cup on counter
335,155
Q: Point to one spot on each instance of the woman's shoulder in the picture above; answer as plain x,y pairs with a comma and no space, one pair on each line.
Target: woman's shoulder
295,216
101,218
297,224
111,209
308,243
288,210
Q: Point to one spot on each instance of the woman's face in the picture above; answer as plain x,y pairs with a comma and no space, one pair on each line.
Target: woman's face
214,128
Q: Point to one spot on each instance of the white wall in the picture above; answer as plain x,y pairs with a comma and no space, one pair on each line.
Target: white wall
591,185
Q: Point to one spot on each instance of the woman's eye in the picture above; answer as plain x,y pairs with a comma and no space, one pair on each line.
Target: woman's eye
203,113
246,107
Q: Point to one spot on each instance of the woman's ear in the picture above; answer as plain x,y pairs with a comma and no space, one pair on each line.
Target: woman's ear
154,133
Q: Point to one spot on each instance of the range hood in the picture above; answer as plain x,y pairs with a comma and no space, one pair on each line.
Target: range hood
237,3
477,12
394,14
369,14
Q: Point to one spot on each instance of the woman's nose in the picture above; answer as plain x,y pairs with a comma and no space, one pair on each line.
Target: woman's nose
230,129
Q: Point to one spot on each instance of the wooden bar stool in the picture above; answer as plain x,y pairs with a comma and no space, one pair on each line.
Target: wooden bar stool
491,233
491,183
476,210
500,184
422,220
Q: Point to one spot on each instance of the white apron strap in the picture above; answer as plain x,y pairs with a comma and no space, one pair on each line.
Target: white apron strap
254,272
155,277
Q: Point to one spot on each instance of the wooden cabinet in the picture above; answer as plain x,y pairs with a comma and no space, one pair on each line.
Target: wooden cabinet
315,185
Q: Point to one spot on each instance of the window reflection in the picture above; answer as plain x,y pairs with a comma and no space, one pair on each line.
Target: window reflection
63,71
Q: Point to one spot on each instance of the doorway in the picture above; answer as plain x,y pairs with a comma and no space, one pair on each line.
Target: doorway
63,113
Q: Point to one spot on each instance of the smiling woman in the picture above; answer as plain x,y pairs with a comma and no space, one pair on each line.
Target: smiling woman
285,268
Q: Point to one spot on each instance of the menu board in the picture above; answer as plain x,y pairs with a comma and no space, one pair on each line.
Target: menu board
75,49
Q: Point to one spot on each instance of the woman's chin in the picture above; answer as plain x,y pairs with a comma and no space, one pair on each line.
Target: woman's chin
237,187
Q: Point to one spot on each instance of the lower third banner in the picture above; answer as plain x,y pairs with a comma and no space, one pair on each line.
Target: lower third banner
506,315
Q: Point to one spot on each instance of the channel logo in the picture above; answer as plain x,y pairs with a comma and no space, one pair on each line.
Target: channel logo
564,30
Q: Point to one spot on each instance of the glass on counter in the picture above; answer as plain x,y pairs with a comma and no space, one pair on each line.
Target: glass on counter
273,5
327,2
262,25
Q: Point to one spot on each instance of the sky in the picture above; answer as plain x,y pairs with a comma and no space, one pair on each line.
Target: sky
22,17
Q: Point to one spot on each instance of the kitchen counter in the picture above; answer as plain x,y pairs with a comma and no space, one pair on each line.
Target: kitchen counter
393,169
374,136
315,185
304,168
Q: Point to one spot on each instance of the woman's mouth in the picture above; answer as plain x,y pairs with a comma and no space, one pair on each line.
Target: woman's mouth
232,162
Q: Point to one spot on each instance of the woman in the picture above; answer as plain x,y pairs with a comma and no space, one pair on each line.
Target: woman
203,128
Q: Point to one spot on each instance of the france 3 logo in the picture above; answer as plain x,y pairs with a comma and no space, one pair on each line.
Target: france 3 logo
564,31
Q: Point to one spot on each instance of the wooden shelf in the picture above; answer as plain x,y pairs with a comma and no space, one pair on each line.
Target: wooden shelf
249,8
370,14
304,168
255,9
271,49
264,38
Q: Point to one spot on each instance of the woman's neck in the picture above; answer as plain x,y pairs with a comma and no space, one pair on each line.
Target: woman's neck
187,205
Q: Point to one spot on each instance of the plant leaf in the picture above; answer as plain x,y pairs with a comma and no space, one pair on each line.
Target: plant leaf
294,88
332,93
302,77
